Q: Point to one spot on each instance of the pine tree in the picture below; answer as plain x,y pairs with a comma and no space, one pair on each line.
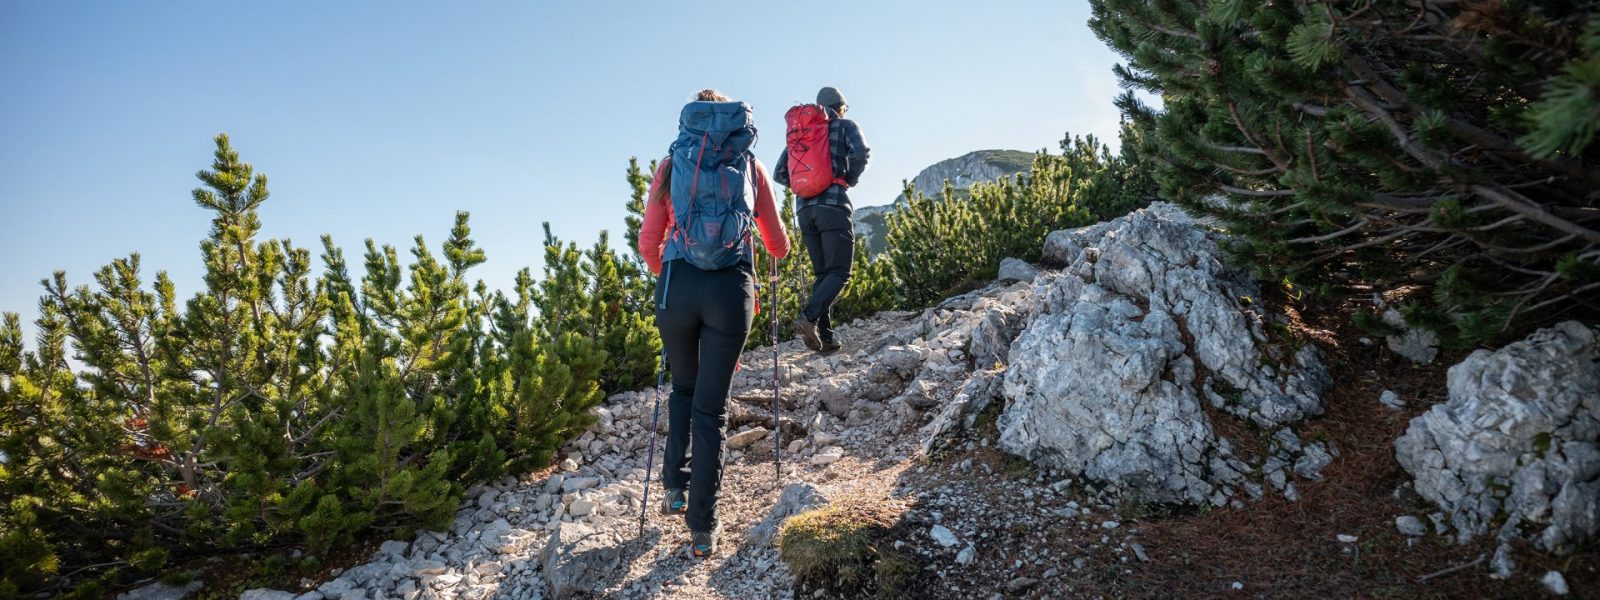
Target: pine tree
562,296
174,438
555,336
636,276
918,231
1447,151
638,185
549,389
281,406
461,406
392,462
626,334
587,292
59,510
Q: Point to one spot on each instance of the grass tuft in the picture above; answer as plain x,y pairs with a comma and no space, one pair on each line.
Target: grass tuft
839,547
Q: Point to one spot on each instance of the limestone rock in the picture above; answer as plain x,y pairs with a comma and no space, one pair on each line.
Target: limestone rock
743,439
162,591
1418,345
828,455
837,395
1106,380
1410,526
336,587
1002,321
578,559
795,499
943,536
1517,438
1391,400
1555,583
958,414
1012,269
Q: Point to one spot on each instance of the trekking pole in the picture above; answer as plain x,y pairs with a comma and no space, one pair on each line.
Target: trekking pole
655,413
777,430
655,416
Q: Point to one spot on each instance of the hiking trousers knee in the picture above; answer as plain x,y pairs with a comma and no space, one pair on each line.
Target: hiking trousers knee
830,242
703,324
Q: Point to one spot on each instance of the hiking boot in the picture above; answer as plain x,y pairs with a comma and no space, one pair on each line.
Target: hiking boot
808,332
830,346
675,503
703,544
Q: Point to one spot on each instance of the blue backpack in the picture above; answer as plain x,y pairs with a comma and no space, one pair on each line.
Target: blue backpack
712,186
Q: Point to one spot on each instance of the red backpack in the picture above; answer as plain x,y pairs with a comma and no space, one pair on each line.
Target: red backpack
810,166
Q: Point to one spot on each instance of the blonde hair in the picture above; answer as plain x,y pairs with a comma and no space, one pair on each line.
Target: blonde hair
711,95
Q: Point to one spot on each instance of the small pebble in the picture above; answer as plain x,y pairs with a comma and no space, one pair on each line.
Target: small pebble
1410,526
1139,552
1555,582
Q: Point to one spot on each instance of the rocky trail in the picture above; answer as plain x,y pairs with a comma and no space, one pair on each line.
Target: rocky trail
1011,436
575,528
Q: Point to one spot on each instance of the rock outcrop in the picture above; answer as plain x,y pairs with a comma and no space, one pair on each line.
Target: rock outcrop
1142,328
578,559
1415,344
1516,448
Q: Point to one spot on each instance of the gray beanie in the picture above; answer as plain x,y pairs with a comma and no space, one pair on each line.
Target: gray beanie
830,97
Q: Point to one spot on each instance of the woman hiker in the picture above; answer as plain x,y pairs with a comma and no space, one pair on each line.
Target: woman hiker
697,221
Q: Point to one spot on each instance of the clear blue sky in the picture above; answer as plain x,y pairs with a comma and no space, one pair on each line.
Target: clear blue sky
382,119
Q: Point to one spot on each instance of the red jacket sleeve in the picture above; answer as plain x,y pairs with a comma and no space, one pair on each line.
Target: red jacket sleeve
768,221
657,217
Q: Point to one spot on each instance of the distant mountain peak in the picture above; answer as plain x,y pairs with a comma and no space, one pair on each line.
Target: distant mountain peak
973,167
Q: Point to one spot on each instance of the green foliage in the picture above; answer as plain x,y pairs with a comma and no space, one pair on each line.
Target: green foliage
148,560
939,247
1311,44
283,406
587,293
1565,120
872,287
1370,144
640,284
553,387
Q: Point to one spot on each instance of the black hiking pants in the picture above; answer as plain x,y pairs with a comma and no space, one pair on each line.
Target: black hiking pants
703,327
831,243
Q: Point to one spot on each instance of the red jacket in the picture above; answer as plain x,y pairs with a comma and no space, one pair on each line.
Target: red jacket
658,217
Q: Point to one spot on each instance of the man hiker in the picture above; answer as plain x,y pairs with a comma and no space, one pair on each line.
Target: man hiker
821,175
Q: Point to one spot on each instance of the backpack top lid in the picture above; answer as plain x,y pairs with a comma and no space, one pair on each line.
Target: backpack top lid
729,126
